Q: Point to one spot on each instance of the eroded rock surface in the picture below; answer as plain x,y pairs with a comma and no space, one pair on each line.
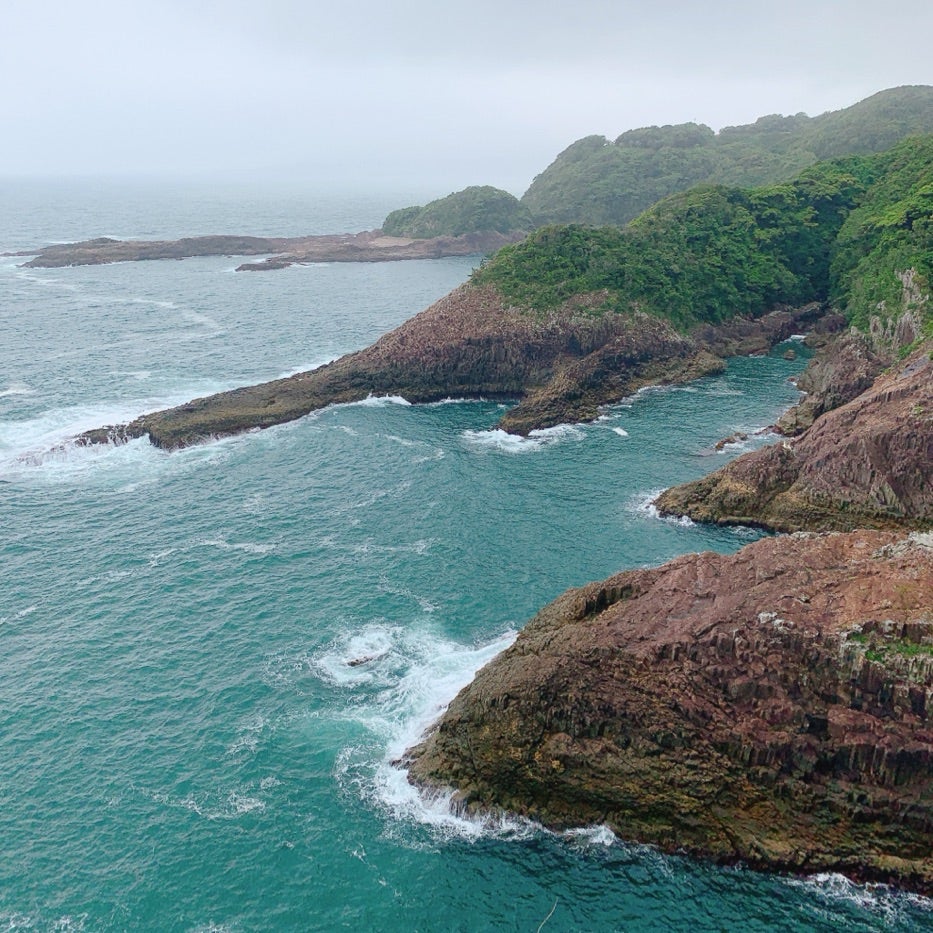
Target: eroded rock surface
841,371
866,464
560,365
771,706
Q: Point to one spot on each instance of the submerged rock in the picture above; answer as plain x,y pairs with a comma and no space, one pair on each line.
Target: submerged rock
771,707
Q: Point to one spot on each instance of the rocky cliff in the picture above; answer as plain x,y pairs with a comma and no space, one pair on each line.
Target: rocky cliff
866,464
561,365
771,706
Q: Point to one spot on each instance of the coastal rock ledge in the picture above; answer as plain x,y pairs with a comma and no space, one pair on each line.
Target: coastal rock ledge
866,464
770,707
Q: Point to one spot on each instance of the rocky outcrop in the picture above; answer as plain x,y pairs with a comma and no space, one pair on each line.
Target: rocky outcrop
866,464
369,246
840,371
560,365
771,707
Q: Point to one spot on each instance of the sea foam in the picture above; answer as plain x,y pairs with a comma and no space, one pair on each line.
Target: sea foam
501,441
419,673
643,503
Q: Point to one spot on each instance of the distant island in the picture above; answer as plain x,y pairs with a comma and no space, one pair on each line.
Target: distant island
368,246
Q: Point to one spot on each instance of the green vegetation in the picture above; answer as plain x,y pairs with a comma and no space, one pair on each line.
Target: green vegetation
889,647
858,230
595,181
883,256
904,649
474,210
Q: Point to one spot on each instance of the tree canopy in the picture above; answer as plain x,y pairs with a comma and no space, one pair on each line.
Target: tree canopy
846,230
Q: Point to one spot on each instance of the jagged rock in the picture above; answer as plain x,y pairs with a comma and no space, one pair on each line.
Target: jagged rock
866,464
561,366
843,368
770,706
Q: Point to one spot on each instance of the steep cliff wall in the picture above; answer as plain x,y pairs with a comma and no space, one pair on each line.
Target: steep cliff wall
771,706
867,464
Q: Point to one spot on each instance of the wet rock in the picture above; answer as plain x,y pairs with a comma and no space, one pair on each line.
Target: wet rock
769,707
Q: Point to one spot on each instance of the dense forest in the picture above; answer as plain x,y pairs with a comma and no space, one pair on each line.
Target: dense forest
856,230
475,209
598,182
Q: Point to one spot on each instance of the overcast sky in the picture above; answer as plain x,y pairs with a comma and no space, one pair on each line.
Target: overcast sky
411,91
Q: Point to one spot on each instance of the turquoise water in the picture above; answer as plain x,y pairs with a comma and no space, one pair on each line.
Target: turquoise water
183,743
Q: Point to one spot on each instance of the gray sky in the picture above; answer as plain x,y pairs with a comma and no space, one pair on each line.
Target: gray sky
411,91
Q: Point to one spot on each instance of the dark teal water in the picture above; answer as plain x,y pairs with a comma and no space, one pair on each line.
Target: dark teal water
183,743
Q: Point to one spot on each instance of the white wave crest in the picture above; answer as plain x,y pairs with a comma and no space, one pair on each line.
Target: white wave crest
16,388
643,503
418,674
380,401
498,440
888,904
45,442
592,836
248,546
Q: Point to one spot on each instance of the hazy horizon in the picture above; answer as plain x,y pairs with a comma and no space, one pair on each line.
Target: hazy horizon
413,96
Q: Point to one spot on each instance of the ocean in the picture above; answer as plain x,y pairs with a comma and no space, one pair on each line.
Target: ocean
211,659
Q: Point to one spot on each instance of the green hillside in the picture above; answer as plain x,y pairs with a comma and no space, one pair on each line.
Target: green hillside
476,209
596,181
847,230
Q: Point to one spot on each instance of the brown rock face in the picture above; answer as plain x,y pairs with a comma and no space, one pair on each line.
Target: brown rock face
561,366
772,706
867,464
840,372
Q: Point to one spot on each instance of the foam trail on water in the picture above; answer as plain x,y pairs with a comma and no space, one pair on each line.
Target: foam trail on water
421,674
503,442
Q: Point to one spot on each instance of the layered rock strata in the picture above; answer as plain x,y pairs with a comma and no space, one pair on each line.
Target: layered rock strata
561,366
866,464
772,706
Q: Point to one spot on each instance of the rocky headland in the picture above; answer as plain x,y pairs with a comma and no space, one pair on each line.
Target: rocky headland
561,366
368,246
770,707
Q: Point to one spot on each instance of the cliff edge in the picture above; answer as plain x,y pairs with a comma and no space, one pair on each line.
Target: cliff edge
866,464
770,706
